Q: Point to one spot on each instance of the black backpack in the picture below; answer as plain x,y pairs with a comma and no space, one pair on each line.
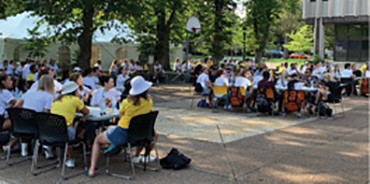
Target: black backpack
262,103
174,160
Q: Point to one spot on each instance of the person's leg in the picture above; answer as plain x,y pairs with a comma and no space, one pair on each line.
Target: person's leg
100,139
7,124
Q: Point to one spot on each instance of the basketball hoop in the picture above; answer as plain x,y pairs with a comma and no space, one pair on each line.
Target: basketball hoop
193,25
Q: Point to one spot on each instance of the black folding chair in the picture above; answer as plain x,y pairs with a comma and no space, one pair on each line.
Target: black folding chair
23,126
335,97
140,133
348,84
53,132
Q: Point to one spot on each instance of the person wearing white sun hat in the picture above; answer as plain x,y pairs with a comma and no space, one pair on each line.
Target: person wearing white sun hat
66,105
138,102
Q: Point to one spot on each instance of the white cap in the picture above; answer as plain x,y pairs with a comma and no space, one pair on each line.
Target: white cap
139,85
69,87
77,69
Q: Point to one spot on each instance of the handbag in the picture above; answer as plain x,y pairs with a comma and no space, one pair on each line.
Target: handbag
175,160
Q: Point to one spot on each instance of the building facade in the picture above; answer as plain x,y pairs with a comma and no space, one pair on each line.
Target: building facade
350,19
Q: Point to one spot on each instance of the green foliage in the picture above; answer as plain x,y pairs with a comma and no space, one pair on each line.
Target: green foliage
36,45
302,40
261,15
316,58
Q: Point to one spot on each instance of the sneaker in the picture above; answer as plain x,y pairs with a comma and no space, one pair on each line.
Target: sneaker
6,148
24,148
148,159
70,163
137,160
48,154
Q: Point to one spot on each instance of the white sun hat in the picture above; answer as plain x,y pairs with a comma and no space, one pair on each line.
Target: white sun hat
139,85
69,87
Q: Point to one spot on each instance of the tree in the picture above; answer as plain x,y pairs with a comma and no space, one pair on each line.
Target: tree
302,40
261,15
72,21
160,23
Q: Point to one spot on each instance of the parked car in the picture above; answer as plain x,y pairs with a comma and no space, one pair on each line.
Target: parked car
299,56
274,54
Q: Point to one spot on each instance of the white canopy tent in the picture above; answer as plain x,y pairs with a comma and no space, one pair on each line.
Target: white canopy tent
14,30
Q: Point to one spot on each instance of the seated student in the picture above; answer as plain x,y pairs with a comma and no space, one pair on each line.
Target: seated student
137,103
67,105
121,79
47,71
243,81
31,77
205,83
6,100
221,80
39,101
85,92
89,79
106,95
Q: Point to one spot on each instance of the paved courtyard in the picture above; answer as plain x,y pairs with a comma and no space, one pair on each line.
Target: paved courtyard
259,149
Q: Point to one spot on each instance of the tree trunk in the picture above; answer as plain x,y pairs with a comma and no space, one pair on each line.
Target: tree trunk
85,38
217,47
162,48
286,51
258,56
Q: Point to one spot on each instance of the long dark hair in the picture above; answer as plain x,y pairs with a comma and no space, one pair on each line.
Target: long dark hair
3,77
136,98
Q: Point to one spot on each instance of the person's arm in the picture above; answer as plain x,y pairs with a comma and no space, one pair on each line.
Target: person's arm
19,103
85,111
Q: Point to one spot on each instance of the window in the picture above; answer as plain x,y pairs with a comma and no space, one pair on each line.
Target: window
351,42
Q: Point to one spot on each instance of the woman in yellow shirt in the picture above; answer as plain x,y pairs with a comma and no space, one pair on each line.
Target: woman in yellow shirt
138,102
67,105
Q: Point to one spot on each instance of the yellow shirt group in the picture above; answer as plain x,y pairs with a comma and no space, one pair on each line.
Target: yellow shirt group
129,110
67,107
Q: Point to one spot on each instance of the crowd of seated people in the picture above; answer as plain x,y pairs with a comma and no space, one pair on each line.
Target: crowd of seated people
258,82
34,85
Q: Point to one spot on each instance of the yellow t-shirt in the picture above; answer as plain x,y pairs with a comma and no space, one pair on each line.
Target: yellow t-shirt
30,77
129,110
281,70
363,69
67,107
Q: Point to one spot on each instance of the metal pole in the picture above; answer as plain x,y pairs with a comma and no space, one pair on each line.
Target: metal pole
187,51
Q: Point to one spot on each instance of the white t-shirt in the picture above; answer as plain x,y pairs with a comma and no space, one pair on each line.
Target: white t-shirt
221,81
54,67
318,72
242,82
158,67
257,78
100,93
99,66
203,79
10,70
346,73
57,86
5,98
26,71
138,68
121,81
89,81
19,70
367,73
37,100
85,90
279,82
183,68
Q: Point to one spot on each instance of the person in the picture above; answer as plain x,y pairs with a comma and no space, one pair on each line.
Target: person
98,65
121,79
137,103
158,73
205,83
108,95
221,80
67,105
113,69
177,66
39,100
83,90
47,71
89,79
6,100
10,68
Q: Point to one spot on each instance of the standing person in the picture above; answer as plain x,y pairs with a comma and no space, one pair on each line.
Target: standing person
113,69
67,105
158,73
137,103
6,100
47,71
26,69
19,69
10,68
53,66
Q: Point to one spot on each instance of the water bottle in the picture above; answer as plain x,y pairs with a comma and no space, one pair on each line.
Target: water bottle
102,106
114,103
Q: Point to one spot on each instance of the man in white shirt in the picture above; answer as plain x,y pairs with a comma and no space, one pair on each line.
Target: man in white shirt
98,65
26,69
108,93
90,79
203,80
10,68
346,72
19,69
